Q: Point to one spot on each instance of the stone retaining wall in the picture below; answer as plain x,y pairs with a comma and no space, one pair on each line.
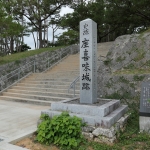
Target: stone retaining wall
125,67
106,135
37,63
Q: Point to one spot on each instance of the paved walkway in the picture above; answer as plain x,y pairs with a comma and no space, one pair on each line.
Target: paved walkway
17,120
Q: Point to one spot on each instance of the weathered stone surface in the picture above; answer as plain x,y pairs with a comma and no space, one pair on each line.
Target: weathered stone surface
88,129
127,52
105,132
144,124
88,61
105,139
88,136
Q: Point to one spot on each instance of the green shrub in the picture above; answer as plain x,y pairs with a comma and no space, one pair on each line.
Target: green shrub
138,78
107,62
62,130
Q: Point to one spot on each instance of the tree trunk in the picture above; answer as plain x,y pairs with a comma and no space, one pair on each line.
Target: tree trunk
34,39
53,37
37,40
40,35
12,44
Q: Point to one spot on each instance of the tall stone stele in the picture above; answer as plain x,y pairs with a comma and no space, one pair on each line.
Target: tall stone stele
88,61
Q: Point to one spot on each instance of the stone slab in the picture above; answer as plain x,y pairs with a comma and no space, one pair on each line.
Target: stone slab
144,123
145,99
7,146
100,111
16,121
105,122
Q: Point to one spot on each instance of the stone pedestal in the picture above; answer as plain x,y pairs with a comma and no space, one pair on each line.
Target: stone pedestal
94,115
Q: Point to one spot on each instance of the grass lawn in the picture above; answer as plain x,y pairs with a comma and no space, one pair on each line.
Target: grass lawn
18,56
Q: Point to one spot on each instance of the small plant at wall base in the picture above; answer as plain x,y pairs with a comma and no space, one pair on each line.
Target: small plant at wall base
62,130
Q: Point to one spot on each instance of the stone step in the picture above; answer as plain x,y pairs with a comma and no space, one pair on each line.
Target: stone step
48,82
42,93
70,75
46,85
101,111
70,67
35,97
70,79
62,72
25,100
105,122
44,89
50,79
55,75
74,62
71,60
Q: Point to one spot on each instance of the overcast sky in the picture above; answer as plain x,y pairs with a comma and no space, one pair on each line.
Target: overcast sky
29,40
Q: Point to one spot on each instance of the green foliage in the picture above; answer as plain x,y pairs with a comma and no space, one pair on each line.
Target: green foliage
84,10
22,48
140,56
120,59
115,95
130,66
109,53
138,77
68,38
8,27
109,84
62,130
107,62
147,63
18,56
123,79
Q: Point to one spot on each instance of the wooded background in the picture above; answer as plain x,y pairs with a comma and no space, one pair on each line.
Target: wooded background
20,18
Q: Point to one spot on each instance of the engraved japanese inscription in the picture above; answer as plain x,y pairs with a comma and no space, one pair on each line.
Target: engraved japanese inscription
145,98
88,61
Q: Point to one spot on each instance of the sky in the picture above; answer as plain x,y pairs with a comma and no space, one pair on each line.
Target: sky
29,40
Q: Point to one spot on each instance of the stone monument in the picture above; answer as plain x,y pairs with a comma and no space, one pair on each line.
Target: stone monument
101,114
88,61
145,107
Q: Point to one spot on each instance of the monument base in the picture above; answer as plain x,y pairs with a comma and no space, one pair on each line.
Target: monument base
104,119
144,122
104,115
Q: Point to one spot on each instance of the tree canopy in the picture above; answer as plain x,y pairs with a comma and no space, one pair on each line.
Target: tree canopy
113,18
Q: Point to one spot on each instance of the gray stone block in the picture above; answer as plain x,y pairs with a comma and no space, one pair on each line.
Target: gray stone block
144,124
100,111
105,122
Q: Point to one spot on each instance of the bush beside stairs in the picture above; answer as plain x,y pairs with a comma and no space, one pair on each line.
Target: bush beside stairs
52,85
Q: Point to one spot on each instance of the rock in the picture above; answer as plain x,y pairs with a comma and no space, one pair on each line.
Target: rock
128,52
105,132
88,129
105,140
88,136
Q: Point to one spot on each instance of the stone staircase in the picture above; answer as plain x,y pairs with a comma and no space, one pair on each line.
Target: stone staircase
52,85
44,88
